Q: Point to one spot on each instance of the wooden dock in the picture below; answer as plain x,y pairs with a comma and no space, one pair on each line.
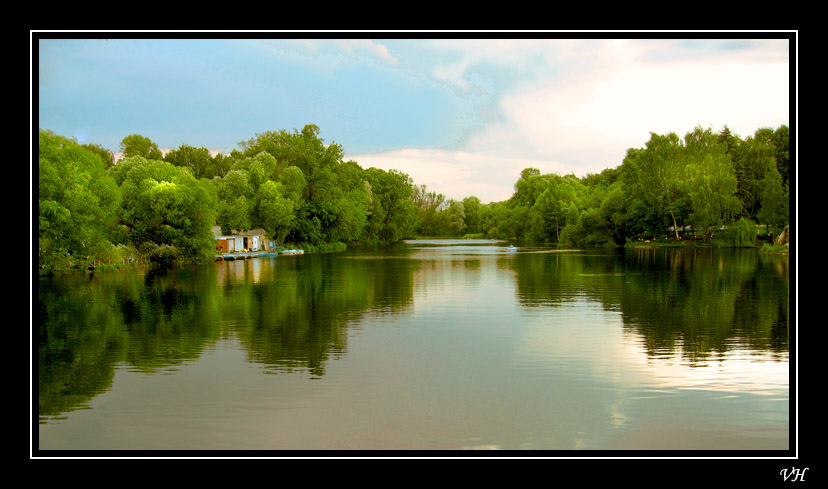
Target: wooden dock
256,254
246,256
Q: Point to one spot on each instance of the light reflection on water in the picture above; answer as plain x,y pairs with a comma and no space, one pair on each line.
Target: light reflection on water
421,347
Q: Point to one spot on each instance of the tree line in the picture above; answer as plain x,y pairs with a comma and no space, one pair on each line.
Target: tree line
705,185
161,207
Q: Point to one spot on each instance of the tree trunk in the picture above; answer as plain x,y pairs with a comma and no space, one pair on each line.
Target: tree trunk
675,227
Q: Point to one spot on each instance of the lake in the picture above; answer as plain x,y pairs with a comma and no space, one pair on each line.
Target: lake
425,345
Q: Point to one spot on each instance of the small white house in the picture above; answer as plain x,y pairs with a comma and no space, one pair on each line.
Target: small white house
253,240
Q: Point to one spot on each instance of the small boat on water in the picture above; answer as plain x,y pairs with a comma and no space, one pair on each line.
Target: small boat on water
293,252
511,248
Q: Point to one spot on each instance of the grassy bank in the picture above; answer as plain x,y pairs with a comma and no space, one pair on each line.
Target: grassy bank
774,249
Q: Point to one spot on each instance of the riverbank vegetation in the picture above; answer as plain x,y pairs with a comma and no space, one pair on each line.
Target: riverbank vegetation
706,189
151,206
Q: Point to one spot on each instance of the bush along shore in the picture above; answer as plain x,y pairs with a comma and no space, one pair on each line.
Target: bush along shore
741,236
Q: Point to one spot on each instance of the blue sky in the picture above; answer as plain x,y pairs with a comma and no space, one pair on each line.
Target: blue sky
462,116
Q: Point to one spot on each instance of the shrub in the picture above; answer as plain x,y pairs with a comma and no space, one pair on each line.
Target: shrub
767,248
165,254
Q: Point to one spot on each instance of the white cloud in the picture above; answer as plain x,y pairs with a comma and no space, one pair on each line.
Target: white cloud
520,56
327,53
590,121
379,51
584,103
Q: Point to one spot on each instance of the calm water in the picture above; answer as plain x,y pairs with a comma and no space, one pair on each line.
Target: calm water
429,345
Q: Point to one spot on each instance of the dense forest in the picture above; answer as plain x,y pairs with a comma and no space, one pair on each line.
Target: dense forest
151,206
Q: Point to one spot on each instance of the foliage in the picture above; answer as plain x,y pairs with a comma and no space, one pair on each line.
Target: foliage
393,215
77,202
137,145
198,160
295,187
104,154
471,212
741,234
710,181
428,204
769,248
298,189
165,205
704,181
774,198
275,212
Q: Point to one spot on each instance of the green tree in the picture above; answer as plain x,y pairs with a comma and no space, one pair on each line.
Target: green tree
782,144
275,211
259,169
393,215
318,163
235,202
659,172
305,150
168,213
235,214
641,219
329,195
730,141
137,145
221,164
471,209
614,210
104,154
755,157
198,160
711,183
551,196
353,203
77,202
293,183
774,202
351,216
428,204
451,220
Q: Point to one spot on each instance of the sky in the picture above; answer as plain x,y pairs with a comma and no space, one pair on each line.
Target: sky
461,116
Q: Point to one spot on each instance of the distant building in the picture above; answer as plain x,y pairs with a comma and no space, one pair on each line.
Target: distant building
251,240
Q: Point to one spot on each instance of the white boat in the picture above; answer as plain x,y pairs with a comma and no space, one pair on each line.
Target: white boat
511,248
293,252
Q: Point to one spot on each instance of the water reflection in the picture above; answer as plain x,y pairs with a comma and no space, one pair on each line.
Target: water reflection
424,346
699,304
290,315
